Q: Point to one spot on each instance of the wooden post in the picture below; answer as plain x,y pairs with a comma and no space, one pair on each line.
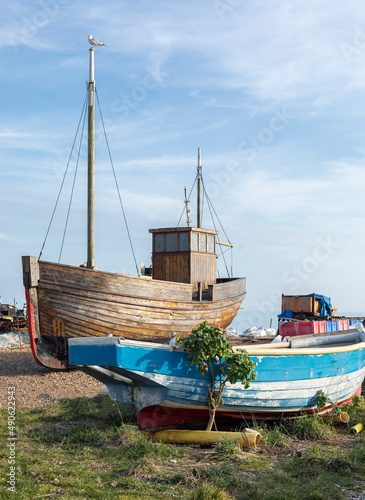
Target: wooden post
199,221
90,167
199,293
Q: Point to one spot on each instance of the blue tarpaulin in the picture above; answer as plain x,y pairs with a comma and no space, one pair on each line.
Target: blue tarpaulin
285,314
325,307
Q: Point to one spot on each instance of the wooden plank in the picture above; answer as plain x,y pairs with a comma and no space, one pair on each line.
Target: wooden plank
183,229
30,271
300,304
234,288
91,315
86,279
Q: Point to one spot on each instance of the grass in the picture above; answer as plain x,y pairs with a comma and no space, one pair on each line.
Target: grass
91,449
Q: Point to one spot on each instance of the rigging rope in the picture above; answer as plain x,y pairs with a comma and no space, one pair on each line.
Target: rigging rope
63,180
210,207
116,183
73,187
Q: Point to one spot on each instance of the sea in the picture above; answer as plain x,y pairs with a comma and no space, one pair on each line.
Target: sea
269,319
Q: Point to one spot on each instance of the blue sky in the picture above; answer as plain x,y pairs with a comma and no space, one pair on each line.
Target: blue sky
272,92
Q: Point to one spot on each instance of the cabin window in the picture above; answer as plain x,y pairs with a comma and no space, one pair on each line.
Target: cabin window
184,242
194,242
211,239
203,243
159,242
171,242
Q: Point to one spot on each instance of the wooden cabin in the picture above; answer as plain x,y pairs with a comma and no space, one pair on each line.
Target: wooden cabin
185,255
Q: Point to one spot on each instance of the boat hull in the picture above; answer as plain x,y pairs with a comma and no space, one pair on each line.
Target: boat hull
167,391
67,301
160,416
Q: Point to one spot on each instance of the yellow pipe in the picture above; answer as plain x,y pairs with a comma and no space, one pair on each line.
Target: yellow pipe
245,438
342,418
356,429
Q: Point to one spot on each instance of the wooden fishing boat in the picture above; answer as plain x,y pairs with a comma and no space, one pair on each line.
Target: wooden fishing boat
181,292
166,391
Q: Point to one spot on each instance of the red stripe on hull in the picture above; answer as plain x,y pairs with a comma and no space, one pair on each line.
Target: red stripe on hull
31,325
161,417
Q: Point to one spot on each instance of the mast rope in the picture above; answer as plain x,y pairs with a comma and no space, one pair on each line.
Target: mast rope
116,183
73,187
63,180
191,190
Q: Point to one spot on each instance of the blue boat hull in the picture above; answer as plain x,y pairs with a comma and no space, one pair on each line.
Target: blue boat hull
165,389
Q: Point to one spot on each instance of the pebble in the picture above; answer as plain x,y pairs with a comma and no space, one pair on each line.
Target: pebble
36,385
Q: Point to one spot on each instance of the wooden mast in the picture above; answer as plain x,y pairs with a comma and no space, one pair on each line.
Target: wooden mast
90,166
199,221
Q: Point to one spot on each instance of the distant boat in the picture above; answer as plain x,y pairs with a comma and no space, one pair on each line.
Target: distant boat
182,291
166,391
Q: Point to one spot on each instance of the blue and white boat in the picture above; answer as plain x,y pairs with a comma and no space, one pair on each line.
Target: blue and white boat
166,391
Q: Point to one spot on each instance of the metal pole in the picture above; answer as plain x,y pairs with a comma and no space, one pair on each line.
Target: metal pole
187,207
199,221
90,167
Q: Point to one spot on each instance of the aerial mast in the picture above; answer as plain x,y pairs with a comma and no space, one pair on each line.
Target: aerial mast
90,166
187,207
199,221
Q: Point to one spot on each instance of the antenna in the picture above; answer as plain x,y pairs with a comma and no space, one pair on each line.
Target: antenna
187,207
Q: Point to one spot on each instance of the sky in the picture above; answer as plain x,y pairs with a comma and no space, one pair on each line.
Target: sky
271,91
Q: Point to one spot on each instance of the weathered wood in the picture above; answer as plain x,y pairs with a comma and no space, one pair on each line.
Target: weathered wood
189,260
203,269
301,304
128,319
234,288
30,271
183,230
86,279
79,302
33,313
171,267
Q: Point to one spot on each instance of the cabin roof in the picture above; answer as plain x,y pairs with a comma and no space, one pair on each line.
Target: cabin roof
183,229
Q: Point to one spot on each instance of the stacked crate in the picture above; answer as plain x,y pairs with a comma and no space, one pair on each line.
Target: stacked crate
294,328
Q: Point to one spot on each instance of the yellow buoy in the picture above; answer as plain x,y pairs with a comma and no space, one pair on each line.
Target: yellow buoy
341,418
246,438
356,429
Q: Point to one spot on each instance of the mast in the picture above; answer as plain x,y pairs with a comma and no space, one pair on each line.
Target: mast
90,167
199,221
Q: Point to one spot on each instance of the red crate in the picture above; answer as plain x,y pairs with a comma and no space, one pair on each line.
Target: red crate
343,324
287,329
305,327
319,326
292,329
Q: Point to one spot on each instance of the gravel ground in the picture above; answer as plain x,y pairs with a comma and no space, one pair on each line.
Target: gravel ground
38,386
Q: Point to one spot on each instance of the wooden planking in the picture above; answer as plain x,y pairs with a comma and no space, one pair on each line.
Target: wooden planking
87,279
92,317
78,302
129,304
300,304
93,308
30,272
203,269
171,267
183,230
114,312
234,288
